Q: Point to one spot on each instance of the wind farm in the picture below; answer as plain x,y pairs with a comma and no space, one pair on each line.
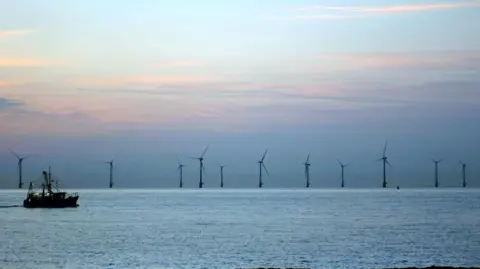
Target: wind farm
262,171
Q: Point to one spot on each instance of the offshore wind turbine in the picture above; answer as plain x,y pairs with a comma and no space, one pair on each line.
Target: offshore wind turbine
202,168
464,174
19,166
343,167
110,163
436,162
307,171
385,162
262,167
180,168
221,175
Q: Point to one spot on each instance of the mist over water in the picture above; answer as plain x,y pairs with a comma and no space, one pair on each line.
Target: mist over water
244,228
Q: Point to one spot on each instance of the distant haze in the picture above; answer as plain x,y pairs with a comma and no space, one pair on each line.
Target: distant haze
145,82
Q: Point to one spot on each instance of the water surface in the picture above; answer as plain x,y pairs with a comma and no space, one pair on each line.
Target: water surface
244,228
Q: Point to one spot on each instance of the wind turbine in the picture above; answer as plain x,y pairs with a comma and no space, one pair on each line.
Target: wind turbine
261,165
464,174
110,163
221,175
385,162
342,166
19,165
307,171
180,168
202,168
436,162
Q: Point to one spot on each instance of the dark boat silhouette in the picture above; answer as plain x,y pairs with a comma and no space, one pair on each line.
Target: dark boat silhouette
47,198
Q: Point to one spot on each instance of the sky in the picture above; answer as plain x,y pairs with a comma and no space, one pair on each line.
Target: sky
146,82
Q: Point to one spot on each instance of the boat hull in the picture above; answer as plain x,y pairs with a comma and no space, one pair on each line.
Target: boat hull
50,203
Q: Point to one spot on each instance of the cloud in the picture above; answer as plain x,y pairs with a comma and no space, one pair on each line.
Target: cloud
19,118
8,103
142,80
8,33
25,62
351,12
230,106
396,8
323,17
441,60
180,64
6,83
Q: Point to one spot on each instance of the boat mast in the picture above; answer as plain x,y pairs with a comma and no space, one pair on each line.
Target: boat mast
47,182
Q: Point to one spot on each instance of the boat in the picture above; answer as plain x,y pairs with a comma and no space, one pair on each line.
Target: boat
47,197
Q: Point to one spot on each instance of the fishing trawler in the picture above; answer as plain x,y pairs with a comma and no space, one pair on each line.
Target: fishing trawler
47,198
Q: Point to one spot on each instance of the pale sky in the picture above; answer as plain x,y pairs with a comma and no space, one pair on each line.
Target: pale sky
144,82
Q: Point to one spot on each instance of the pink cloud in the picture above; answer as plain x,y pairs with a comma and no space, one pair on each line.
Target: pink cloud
7,33
396,8
6,83
427,60
142,80
179,64
323,17
25,62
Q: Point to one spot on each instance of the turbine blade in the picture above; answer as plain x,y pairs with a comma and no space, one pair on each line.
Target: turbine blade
339,162
178,160
265,168
14,154
385,148
205,151
308,158
264,154
203,170
389,164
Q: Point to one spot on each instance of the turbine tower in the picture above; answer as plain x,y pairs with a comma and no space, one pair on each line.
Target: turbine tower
180,168
464,174
110,163
19,166
202,168
221,175
307,171
262,166
385,162
436,162
343,167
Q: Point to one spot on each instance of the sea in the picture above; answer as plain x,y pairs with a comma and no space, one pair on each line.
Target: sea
227,228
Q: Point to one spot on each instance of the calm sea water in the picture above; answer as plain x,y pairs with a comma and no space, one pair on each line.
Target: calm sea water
244,228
